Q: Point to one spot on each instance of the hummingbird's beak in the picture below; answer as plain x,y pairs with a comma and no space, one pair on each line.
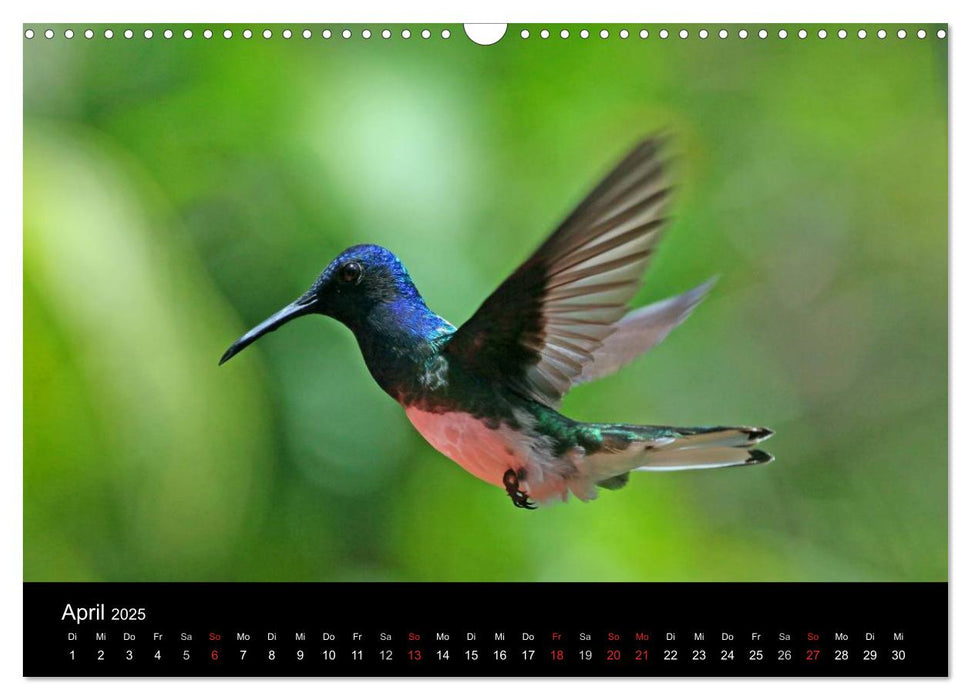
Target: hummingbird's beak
301,307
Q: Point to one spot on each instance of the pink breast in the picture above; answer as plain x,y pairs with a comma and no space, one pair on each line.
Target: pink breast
480,450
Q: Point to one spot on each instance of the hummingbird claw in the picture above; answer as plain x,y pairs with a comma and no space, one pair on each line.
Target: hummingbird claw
519,498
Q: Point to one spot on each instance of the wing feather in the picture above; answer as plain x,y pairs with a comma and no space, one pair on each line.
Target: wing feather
639,331
545,323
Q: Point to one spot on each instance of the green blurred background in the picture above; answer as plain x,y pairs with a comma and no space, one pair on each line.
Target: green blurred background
178,191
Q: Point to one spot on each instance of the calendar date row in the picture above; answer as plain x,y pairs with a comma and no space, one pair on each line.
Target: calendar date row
418,655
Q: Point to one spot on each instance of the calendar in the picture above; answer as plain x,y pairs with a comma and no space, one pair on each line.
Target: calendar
510,350
802,630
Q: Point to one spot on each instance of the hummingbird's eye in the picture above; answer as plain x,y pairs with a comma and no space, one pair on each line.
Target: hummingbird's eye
351,272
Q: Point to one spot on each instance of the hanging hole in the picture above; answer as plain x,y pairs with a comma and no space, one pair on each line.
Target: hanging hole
485,34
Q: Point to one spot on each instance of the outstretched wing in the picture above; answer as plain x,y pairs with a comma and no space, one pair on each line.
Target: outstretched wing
639,331
545,322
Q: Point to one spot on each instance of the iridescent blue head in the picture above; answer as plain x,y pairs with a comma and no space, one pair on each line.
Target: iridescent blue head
366,288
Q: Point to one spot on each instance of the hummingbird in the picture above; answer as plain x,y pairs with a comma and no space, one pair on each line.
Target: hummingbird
486,394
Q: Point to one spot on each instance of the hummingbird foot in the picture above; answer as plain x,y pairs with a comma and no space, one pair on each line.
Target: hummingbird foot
519,498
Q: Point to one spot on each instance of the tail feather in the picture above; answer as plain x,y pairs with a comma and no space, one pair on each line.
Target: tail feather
704,458
691,438
664,449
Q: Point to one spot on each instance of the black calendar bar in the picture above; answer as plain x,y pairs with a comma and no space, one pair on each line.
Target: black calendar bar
485,629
